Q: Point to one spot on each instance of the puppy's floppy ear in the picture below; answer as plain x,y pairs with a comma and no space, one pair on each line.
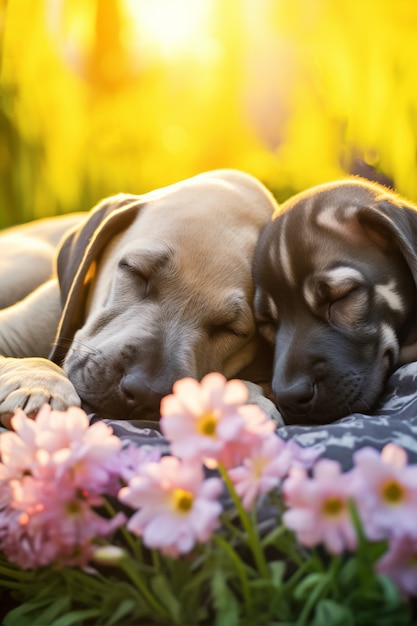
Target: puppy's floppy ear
76,261
390,222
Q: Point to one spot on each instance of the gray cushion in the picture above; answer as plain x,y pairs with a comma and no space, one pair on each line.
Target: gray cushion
393,420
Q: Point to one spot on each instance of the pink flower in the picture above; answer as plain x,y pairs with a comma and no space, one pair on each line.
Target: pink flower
132,459
177,507
268,461
256,426
318,507
50,522
385,491
18,449
199,418
58,441
53,473
400,564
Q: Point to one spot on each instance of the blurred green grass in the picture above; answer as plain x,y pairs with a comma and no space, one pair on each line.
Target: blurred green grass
102,96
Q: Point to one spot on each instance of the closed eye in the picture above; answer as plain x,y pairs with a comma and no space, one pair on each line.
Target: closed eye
141,281
349,308
229,329
339,294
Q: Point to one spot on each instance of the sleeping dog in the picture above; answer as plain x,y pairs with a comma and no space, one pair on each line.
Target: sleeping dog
151,289
335,274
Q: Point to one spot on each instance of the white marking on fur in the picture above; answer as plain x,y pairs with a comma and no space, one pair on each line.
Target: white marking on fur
309,296
389,341
328,219
343,274
389,293
336,283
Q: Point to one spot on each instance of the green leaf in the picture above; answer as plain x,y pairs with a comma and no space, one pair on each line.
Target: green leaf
277,572
224,601
305,587
275,534
163,592
330,613
75,617
26,613
348,574
389,590
126,607
55,609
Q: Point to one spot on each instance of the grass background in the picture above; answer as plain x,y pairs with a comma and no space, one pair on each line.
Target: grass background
102,96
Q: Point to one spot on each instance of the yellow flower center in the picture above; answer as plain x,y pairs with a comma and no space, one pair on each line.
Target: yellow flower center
392,492
207,424
258,466
182,500
333,506
73,508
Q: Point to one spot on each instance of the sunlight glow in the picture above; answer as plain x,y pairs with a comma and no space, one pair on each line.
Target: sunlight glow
168,28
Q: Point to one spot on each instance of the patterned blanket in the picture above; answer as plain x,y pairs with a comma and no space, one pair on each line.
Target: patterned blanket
393,420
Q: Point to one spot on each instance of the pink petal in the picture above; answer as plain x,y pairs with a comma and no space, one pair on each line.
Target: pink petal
235,392
394,455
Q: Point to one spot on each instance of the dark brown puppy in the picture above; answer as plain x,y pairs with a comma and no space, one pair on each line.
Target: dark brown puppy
336,273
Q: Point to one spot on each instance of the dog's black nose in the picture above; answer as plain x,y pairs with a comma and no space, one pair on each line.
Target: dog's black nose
138,395
296,400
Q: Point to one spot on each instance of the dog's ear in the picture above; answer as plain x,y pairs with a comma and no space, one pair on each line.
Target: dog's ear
77,257
393,224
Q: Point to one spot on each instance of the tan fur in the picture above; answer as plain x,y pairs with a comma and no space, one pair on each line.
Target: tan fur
27,254
196,241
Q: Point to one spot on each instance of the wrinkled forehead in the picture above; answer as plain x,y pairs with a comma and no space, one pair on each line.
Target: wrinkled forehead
315,231
205,256
350,193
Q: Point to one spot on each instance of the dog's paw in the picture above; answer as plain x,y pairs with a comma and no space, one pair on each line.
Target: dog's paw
257,396
31,382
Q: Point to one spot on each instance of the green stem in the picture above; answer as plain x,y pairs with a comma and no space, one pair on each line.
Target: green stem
240,571
129,569
156,560
227,523
130,540
16,574
250,528
10,584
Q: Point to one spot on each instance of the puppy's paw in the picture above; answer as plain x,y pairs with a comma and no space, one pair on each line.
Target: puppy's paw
31,382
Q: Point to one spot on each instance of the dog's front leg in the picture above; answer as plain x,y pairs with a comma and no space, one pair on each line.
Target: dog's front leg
31,382
28,327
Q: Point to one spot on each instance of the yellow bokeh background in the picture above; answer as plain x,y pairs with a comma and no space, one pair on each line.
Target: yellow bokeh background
102,96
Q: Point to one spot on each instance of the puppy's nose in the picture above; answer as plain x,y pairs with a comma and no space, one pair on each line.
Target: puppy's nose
138,396
296,400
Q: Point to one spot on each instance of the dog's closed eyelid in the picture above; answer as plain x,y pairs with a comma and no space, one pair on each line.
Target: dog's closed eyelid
331,286
141,279
134,268
349,309
338,292
227,327
146,261
239,323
